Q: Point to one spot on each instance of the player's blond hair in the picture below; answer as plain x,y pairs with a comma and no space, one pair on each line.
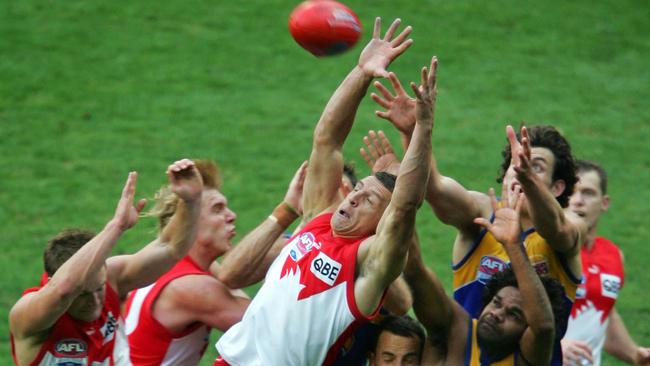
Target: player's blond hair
167,201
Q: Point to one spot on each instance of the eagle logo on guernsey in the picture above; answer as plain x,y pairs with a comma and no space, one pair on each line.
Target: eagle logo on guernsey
489,265
71,347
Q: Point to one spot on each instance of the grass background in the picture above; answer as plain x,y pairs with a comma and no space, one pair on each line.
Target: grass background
92,89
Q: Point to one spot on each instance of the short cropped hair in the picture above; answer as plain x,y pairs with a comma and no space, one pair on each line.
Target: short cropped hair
564,167
554,291
387,180
167,201
350,173
584,166
403,326
63,246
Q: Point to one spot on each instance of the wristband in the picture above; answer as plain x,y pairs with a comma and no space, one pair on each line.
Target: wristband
283,215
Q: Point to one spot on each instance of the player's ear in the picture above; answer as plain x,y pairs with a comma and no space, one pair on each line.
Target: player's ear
605,203
558,187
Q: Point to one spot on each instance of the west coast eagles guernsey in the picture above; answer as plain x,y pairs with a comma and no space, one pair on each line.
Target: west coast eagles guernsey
73,342
149,341
603,278
488,256
306,308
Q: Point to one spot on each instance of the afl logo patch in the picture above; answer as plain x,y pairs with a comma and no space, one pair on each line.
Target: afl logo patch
71,347
488,267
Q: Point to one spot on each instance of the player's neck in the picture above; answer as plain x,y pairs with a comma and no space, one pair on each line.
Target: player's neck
591,238
201,258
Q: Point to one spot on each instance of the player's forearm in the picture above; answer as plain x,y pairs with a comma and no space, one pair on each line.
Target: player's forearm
618,341
411,183
241,265
337,118
430,302
71,277
536,304
548,217
180,233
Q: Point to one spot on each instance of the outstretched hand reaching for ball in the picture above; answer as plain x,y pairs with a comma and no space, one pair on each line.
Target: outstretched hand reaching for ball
380,52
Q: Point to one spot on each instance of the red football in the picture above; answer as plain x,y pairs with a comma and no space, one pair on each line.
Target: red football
324,27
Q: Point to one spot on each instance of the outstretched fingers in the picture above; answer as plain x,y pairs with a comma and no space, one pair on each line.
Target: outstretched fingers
384,91
388,148
397,86
433,69
129,187
401,37
377,29
391,30
369,160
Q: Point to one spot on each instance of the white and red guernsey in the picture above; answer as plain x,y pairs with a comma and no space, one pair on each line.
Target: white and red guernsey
150,342
306,307
603,278
76,342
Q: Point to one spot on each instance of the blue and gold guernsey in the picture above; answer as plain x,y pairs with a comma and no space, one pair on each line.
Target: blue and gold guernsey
474,356
488,256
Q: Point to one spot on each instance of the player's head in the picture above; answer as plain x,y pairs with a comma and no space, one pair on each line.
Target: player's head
589,199
88,305
216,225
360,211
502,321
400,342
551,161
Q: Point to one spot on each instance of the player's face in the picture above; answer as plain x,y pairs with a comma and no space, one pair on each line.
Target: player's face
88,305
542,163
502,320
217,222
360,211
587,200
395,350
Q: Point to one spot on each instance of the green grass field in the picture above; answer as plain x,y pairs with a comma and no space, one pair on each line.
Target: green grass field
92,89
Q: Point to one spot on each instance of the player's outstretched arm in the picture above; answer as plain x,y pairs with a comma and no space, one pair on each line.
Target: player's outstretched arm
445,321
536,344
247,263
128,272
452,203
37,312
326,160
382,257
562,230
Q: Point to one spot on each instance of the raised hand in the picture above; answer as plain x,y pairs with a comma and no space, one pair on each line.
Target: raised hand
294,194
400,108
126,214
517,149
425,94
505,227
380,155
379,53
574,352
185,180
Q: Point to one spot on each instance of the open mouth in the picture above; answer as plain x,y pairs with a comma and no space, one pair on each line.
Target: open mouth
344,214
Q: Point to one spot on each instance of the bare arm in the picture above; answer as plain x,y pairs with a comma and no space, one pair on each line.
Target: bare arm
562,232
620,344
386,251
247,263
37,312
326,160
199,298
443,318
128,272
452,203
536,344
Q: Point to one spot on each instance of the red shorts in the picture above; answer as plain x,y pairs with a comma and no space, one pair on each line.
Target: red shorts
220,362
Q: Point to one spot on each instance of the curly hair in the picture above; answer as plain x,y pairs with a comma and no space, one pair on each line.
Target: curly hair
564,168
554,291
63,246
167,201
